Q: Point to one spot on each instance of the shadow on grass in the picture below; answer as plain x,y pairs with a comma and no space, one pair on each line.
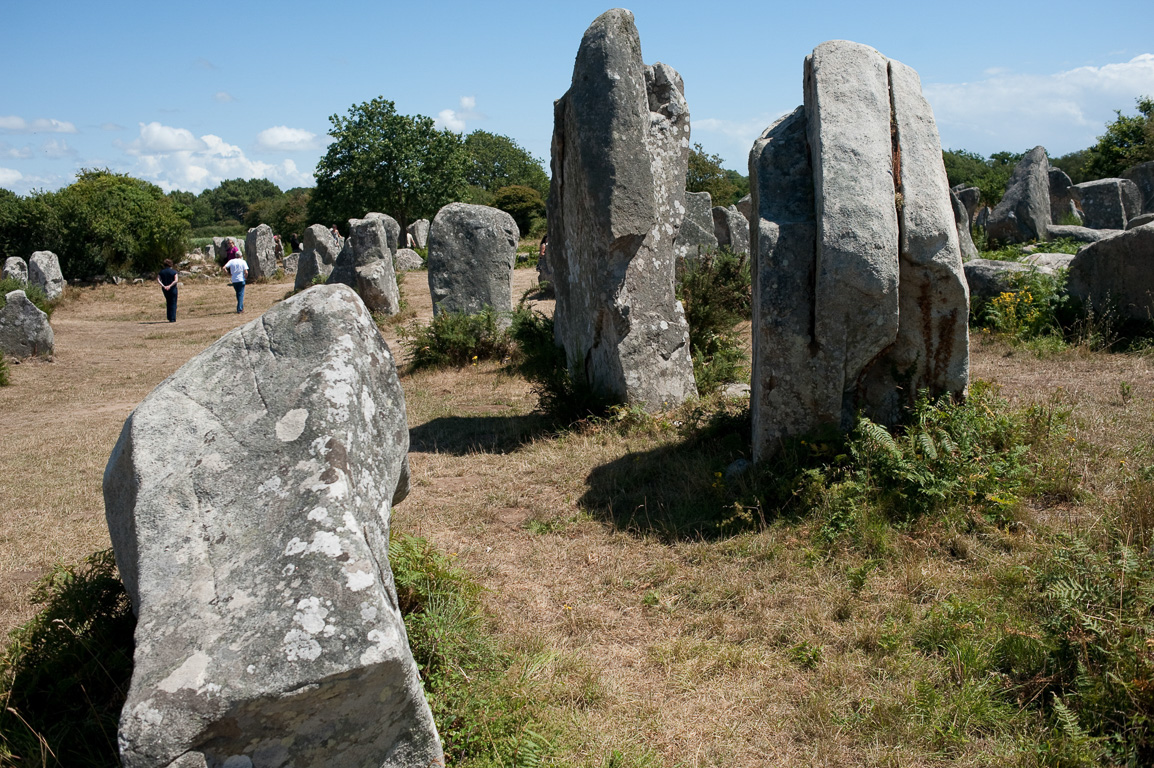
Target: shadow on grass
464,435
678,491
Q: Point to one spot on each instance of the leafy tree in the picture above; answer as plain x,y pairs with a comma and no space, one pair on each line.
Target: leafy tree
989,175
285,214
497,161
524,204
28,224
1128,140
382,161
230,200
113,221
705,174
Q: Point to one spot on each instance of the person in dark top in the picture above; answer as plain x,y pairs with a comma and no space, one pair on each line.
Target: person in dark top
168,279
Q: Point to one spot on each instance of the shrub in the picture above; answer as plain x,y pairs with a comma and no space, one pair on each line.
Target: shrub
716,291
34,293
540,360
524,204
456,338
4,375
1035,307
66,672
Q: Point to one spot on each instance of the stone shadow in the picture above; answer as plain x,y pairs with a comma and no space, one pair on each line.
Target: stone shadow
464,435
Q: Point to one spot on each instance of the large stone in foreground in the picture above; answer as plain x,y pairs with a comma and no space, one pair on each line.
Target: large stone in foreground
24,329
472,250
44,272
1117,273
248,500
859,299
260,252
620,151
319,251
1024,211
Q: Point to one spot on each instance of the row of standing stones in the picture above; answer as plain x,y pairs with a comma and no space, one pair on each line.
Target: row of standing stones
24,328
268,626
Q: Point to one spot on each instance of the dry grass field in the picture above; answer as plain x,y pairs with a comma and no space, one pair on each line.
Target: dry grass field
753,649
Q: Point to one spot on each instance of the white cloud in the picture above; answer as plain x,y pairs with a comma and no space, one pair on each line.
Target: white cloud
161,139
1063,111
13,124
20,153
173,158
732,139
454,119
9,176
56,149
281,138
223,97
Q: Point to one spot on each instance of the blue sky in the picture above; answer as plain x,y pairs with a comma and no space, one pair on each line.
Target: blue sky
188,94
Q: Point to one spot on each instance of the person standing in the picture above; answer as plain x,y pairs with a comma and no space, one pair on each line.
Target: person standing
237,269
168,279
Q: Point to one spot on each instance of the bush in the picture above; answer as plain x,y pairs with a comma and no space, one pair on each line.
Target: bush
716,291
524,204
1035,307
66,672
34,293
456,338
540,360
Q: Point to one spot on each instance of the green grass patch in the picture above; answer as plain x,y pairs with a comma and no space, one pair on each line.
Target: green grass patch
457,339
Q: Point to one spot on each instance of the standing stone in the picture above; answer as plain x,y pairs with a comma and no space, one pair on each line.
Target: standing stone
407,260
989,277
290,262
1117,272
261,250
248,500
24,329
44,272
1143,177
1065,199
982,218
971,198
472,250
366,265
392,230
962,222
319,252
1024,212
1104,202
620,152
859,296
745,205
419,229
731,229
221,252
696,234
15,268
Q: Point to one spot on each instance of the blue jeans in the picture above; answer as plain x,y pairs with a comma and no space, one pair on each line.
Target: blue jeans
239,288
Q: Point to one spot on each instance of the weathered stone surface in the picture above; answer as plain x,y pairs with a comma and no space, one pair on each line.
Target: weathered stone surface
15,268
1050,260
419,229
1024,212
620,151
988,277
1065,199
731,228
24,329
1081,234
290,262
319,252
1117,272
1143,177
44,272
392,230
1131,199
962,222
982,218
219,250
1104,202
365,264
745,205
248,499
1140,221
696,234
971,198
472,250
260,250
407,260
837,253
